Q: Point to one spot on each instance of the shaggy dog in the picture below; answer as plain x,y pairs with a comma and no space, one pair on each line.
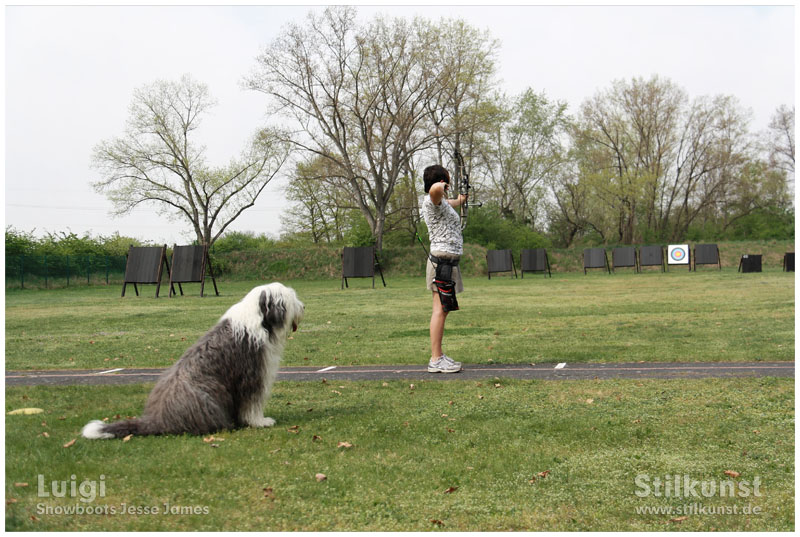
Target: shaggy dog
223,380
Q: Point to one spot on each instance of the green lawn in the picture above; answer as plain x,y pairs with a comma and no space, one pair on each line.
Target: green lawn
483,441
625,317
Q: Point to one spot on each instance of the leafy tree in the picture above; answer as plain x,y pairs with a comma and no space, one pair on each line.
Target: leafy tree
654,163
489,228
238,241
158,162
525,153
19,242
321,202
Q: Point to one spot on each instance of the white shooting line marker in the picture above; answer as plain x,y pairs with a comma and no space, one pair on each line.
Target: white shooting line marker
561,365
110,371
326,369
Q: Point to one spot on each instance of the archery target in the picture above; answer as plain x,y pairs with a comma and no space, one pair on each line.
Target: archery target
678,254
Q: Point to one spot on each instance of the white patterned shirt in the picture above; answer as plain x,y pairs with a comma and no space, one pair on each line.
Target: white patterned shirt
444,226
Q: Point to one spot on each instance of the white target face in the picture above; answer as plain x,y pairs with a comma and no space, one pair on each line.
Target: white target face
678,254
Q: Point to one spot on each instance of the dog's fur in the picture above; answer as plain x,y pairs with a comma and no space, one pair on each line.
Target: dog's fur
222,381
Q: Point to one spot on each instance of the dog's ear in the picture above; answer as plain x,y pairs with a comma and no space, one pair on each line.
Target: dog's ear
262,305
273,312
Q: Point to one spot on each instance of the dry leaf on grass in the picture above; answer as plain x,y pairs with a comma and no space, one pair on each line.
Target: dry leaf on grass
731,473
344,445
20,484
678,519
437,522
70,443
451,490
25,411
541,475
321,477
268,493
45,434
127,438
10,501
316,438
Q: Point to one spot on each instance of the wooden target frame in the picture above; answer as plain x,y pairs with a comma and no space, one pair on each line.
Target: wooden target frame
595,258
360,262
706,254
625,256
189,265
788,262
500,261
145,265
750,263
679,255
534,260
651,256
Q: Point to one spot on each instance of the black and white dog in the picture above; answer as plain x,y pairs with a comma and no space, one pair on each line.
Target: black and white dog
223,380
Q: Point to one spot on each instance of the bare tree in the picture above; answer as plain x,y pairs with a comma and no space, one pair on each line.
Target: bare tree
158,162
781,140
361,96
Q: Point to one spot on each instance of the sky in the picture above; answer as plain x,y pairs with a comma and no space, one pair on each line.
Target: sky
70,74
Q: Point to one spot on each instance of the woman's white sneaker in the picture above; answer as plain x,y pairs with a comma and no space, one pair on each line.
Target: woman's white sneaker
444,364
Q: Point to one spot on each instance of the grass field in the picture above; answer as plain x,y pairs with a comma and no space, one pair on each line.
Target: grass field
625,317
482,441
498,454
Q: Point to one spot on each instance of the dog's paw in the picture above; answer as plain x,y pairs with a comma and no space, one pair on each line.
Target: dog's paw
263,422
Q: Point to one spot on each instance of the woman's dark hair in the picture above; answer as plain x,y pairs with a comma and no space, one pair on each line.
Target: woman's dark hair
434,174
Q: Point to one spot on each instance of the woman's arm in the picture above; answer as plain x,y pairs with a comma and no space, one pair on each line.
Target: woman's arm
438,192
458,201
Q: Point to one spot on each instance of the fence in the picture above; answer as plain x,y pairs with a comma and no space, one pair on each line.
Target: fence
49,271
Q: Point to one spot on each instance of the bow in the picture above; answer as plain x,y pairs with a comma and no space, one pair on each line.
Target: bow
462,186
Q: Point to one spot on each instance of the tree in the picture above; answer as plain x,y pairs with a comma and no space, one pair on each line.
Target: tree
361,97
525,152
158,162
623,137
653,162
465,110
780,140
320,207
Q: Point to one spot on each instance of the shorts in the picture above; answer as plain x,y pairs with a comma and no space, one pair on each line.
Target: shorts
430,272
